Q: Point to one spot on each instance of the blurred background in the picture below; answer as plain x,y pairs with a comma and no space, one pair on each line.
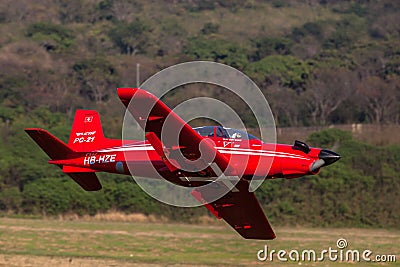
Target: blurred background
329,69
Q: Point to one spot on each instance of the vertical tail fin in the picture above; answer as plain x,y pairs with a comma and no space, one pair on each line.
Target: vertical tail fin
87,132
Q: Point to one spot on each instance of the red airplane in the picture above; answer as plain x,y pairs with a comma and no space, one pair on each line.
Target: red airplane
185,156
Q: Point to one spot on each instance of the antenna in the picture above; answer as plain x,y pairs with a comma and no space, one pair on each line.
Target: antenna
137,75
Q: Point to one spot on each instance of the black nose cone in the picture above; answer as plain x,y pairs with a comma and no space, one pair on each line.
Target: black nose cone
328,156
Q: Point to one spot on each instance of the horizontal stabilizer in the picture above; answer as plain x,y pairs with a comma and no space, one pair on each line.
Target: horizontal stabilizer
87,181
54,147
58,151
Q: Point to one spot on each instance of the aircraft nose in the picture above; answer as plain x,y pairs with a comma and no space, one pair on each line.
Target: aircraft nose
328,156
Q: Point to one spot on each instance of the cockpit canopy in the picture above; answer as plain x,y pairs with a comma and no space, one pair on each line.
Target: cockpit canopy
219,131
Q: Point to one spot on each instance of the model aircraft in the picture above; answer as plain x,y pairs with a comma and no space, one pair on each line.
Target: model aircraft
188,157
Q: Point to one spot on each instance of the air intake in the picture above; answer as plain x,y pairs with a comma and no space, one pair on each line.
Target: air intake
298,145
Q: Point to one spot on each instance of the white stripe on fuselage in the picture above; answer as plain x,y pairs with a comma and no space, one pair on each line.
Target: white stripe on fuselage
257,150
223,150
270,154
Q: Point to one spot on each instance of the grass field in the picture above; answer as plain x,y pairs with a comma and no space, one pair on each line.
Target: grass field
38,242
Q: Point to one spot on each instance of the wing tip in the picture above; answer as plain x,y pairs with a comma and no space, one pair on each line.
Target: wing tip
126,94
28,130
270,236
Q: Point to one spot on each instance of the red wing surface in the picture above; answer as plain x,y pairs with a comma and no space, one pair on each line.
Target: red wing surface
240,209
173,139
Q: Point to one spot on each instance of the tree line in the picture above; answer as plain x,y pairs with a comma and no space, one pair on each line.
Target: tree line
342,67
317,62
359,190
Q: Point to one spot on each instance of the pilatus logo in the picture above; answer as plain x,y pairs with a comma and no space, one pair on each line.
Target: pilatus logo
88,118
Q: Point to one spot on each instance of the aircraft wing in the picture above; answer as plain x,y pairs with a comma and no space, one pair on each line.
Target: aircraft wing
178,145
169,135
239,208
